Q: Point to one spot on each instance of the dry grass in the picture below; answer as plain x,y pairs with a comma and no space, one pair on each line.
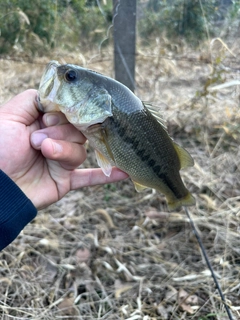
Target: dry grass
107,252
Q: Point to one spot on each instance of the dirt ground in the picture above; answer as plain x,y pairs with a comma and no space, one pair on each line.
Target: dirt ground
107,252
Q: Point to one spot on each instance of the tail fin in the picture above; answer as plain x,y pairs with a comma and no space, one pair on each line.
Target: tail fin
188,200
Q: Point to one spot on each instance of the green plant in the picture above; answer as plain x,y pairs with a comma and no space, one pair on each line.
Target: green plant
184,19
38,26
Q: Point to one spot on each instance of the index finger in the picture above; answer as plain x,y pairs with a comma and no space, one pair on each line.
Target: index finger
90,177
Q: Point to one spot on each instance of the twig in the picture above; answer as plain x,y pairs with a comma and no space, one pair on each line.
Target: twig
208,264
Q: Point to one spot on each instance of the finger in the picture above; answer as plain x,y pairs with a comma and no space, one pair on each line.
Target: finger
90,177
69,154
64,132
54,119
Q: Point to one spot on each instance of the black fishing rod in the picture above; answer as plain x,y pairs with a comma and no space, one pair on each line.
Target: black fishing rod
209,264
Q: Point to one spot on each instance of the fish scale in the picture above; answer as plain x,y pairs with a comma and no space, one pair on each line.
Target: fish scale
149,152
123,131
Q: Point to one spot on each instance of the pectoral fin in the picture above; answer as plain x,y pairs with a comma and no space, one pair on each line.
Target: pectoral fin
105,141
103,163
139,187
185,158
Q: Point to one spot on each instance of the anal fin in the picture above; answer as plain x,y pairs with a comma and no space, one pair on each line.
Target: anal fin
139,187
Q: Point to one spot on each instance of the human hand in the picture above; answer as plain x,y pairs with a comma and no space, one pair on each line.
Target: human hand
41,158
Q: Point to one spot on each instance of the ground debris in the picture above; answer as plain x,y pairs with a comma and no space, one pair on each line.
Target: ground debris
107,252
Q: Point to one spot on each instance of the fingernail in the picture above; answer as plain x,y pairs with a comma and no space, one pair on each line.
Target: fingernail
51,119
39,106
37,138
57,147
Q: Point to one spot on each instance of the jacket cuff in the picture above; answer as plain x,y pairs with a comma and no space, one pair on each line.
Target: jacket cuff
16,210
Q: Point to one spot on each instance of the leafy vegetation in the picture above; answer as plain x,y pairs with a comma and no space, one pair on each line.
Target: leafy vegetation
190,20
35,27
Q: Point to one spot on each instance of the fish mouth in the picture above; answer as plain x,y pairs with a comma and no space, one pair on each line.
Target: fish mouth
49,75
48,87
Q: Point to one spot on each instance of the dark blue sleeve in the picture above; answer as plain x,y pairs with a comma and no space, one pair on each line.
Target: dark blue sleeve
16,210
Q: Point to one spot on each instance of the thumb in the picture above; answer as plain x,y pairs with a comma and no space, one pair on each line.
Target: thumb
22,108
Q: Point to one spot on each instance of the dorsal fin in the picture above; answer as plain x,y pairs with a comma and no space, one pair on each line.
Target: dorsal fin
156,113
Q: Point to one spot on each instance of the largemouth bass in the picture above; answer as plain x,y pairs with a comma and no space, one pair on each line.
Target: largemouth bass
122,130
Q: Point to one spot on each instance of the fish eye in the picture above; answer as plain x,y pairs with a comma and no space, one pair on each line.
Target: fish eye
70,75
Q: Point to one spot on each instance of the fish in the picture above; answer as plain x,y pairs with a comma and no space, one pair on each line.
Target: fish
124,131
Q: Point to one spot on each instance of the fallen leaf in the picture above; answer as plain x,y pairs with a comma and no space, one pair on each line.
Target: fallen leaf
187,302
152,213
83,255
187,308
67,307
